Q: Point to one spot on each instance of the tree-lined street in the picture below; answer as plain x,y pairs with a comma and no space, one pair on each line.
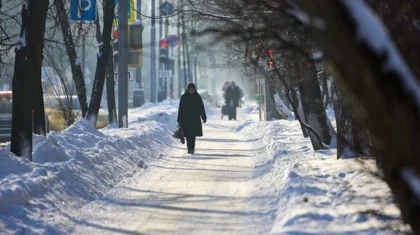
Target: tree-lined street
96,96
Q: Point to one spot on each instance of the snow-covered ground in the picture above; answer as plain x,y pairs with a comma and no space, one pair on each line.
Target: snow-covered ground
248,177
314,193
77,166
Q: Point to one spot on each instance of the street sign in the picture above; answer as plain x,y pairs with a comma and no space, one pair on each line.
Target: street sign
83,10
164,74
166,9
172,40
130,12
130,76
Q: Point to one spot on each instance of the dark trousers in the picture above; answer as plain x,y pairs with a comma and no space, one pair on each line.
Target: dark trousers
191,142
232,113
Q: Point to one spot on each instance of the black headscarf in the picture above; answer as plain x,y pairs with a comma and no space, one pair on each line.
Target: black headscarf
191,85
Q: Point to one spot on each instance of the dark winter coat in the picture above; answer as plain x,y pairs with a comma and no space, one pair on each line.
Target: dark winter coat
233,93
191,111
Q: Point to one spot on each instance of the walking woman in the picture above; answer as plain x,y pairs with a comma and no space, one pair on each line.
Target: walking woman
191,111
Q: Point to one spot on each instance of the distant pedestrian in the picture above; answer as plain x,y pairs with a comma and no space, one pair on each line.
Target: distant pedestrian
191,111
225,86
232,97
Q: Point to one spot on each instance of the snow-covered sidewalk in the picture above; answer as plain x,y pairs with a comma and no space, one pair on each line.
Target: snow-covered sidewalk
248,177
311,192
210,192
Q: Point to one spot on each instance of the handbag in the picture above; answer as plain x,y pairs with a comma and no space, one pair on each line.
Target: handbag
225,110
179,134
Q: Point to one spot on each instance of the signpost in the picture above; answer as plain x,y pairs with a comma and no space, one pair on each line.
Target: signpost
164,74
123,7
153,93
166,9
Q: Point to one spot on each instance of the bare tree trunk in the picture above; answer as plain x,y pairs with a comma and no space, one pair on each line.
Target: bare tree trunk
352,140
110,89
325,91
383,100
400,18
313,107
38,107
317,141
98,34
110,83
102,63
297,103
27,74
75,64
39,121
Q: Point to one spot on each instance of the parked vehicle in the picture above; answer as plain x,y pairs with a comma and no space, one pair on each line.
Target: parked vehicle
56,105
5,116
6,105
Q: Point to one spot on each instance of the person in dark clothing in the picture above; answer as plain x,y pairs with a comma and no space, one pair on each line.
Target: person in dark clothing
191,109
232,97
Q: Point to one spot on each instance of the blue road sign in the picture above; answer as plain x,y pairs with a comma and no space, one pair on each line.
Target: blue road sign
116,9
172,40
166,9
83,10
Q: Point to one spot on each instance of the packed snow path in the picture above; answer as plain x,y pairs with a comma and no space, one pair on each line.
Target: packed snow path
209,192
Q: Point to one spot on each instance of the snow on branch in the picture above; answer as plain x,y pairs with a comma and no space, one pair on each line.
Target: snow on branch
371,31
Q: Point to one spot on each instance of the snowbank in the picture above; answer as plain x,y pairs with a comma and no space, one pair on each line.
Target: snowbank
76,166
320,194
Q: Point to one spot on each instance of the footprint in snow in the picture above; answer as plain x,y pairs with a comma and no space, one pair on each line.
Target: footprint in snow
342,175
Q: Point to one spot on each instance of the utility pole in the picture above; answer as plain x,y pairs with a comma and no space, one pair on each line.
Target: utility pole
123,64
193,24
153,97
83,55
160,21
184,47
138,92
178,30
161,66
167,80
